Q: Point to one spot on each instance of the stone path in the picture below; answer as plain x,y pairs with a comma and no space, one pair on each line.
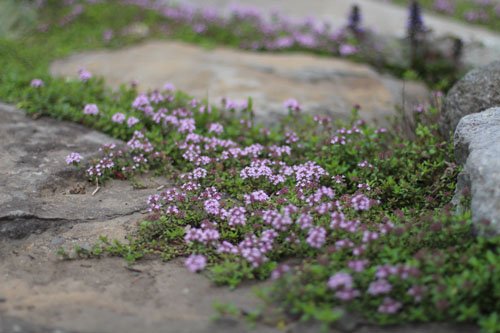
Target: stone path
384,18
323,85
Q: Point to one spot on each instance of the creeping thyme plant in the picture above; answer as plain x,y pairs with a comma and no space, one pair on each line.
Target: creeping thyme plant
341,213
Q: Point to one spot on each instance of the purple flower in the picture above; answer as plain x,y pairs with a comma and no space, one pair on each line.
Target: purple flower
420,108
257,196
212,206
235,104
292,104
305,221
236,216
347,50
107,35
360,202
140,102
195,263
37,83
389,306
118,118
131,121
340,280
73,158
445,6
280,271
169,87
347,294
91,109
215,128
358,265
379,287
316,237
186,125
84,75
417,292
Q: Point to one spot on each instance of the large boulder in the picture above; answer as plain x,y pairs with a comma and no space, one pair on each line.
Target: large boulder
477,148
477,91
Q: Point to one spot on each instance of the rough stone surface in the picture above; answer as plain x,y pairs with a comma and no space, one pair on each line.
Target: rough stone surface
104,295
477,147
476,92
36,185
323,85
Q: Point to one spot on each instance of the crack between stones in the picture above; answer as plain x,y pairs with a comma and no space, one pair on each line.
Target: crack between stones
17,226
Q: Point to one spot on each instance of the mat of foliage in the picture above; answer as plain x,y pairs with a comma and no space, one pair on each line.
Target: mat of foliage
339,213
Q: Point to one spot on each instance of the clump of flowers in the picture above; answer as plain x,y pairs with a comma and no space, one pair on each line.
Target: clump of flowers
118,118
37,83
73,158
196,263
91,109
84,75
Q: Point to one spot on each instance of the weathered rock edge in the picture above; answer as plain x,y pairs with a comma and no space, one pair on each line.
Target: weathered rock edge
37,188
477,91
477,148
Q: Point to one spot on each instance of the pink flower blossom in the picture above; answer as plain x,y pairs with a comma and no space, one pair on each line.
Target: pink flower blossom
379,287
131,121
389,306
257,196
195,263
73,158
340,280
358,265
216,128
91,109
37,83
292,104
118,118
316,237
169,87
360,202
347,50
236,216
84,75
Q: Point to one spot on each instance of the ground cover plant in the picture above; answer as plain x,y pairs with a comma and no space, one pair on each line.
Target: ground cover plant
345,215
481,12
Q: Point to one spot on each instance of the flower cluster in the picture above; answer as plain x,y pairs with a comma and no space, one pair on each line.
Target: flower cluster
73,158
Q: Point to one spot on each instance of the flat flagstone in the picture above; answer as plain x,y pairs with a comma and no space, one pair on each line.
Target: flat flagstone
322,85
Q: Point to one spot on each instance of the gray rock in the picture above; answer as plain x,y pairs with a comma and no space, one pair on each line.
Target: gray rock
477,91
477,147
36,185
